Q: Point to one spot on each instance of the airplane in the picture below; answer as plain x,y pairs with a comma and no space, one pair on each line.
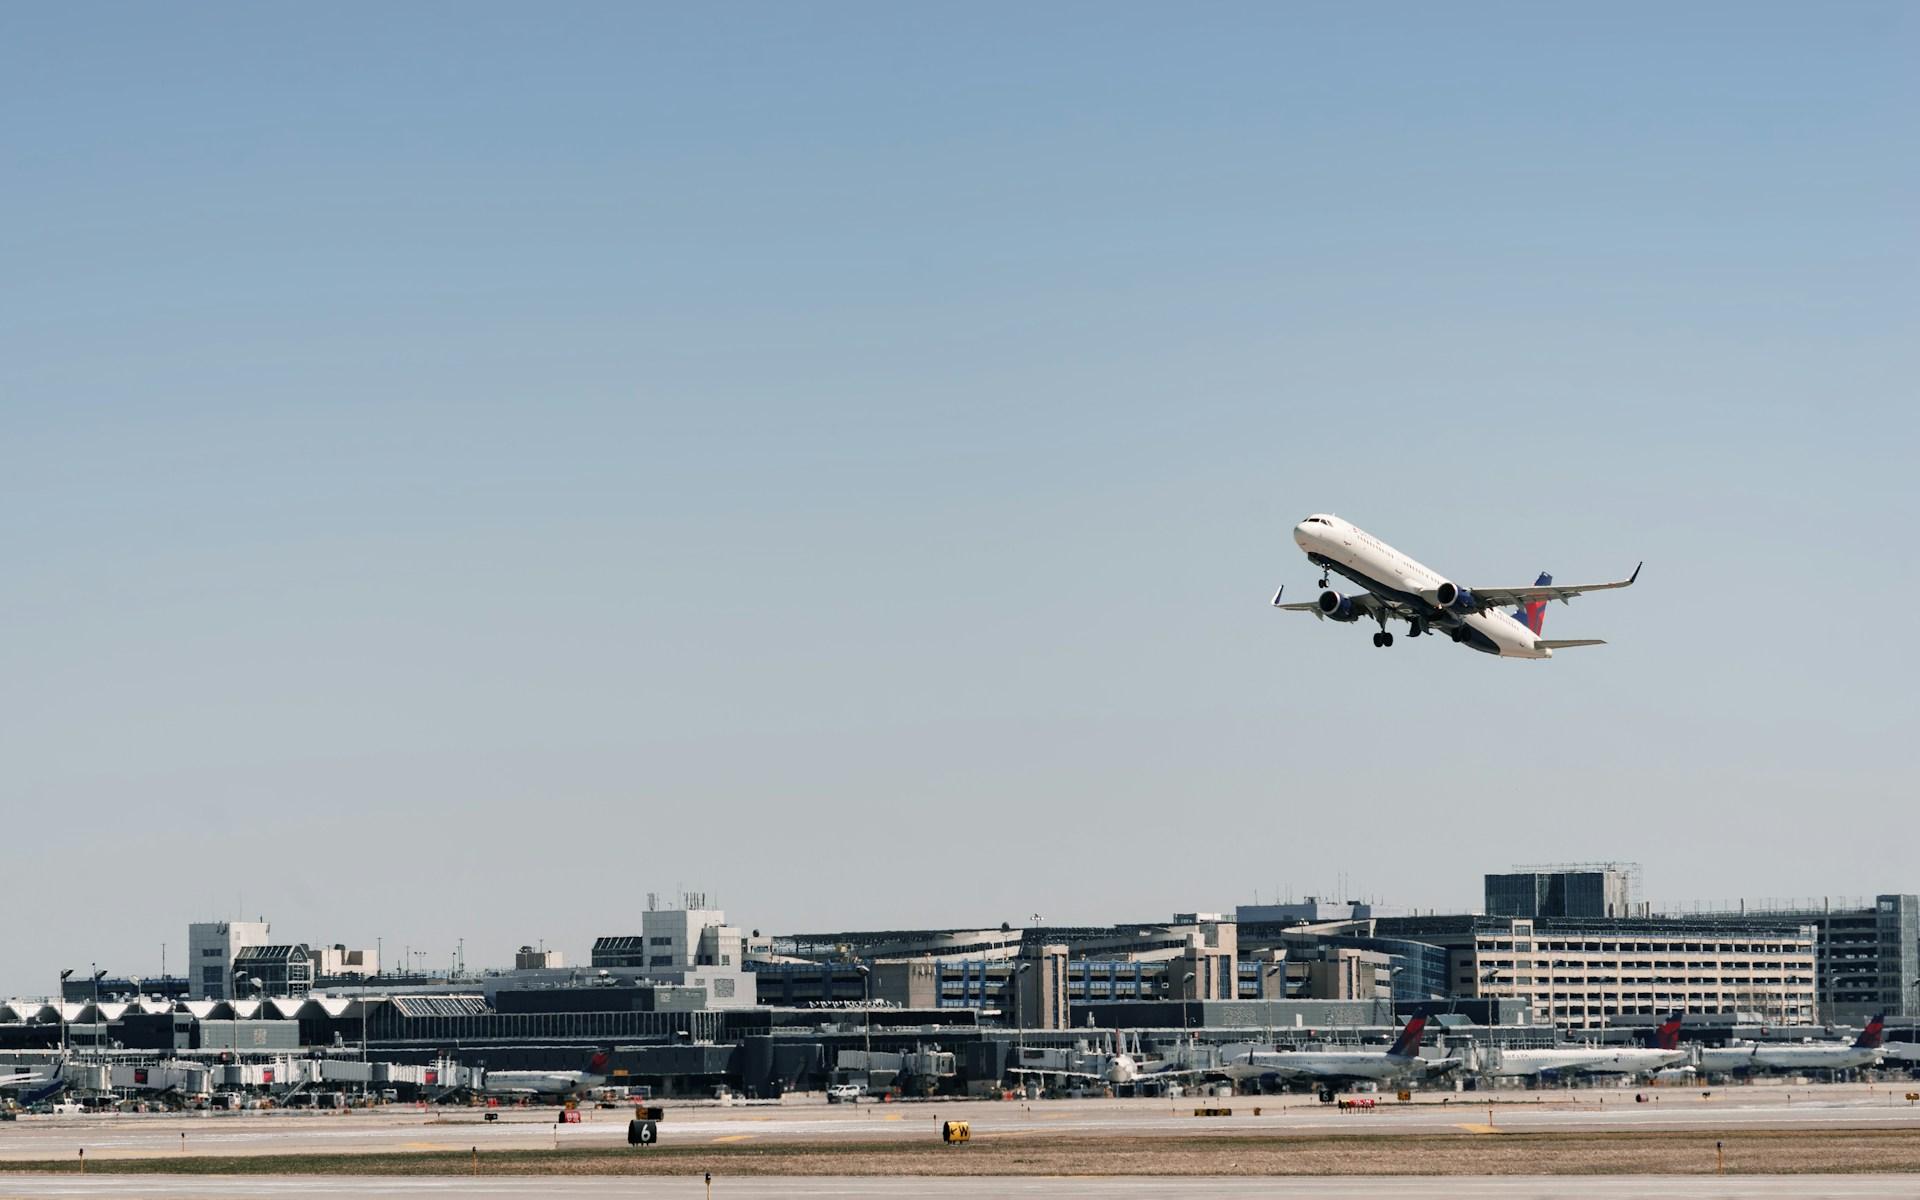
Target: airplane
1906,1053
557,1085
1597,1060
1864,1051
1121,1067
1330,1069
32,1087
1394,586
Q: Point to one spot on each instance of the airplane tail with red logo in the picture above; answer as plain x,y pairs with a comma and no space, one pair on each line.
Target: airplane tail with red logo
597,1065
1407,1045
1534,615
1667,1036
1869,1038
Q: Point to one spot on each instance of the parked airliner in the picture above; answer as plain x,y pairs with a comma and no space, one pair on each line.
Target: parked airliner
31,1087
1596,1060
1393,586
1801,1056
1330,1070
549,1084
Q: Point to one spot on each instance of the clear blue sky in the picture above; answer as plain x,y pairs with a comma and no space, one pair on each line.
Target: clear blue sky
465,466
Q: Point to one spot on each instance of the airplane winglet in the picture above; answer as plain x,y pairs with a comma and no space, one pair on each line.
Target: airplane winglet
1636,572
1278,594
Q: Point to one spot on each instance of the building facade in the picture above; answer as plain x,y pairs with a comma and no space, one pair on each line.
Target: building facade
1594,893
1582,974
273,971
684,947
1867,956
211,948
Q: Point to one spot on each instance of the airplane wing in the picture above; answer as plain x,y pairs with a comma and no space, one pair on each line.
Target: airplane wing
1499,597
1365,603
1308,1071
1150,1071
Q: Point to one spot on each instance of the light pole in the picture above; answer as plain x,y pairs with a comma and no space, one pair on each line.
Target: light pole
866,1025
1487,977
99,1025
1020,1029
1391,972
1277,966
60,1009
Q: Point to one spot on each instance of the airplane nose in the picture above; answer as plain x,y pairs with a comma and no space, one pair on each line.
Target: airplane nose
1301,534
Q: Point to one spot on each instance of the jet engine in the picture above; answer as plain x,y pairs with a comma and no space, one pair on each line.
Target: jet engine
1452,597
1336,607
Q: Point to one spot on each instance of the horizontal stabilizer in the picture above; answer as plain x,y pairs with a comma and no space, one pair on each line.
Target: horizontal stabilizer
1562,645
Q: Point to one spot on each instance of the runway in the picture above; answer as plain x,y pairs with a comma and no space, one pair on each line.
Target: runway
1417,1187
405,1129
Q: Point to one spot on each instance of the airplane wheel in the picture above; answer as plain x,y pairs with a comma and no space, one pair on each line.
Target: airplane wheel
1386,639
1376,641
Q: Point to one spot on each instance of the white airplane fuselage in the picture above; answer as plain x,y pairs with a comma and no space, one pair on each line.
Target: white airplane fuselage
539,1083
1327,1064
1597,1060
1761,1057
1345,549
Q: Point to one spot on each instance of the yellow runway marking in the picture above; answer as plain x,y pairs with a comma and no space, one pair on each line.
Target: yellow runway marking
1477,1128
895,1117
733,1137
428,1146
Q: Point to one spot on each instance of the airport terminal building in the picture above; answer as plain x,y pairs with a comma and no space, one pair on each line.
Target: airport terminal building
692,1004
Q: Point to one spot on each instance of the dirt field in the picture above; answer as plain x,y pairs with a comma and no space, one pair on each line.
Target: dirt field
1787,1151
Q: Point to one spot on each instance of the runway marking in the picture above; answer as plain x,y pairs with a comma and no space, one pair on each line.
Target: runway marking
895,1117
734,1137
1477,1128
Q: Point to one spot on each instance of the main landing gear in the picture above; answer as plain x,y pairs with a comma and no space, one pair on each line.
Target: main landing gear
1382,639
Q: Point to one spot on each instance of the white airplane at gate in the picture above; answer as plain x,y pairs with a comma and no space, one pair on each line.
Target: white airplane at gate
1596,1060
1864,1051
1395,587
1330,1070
557,1085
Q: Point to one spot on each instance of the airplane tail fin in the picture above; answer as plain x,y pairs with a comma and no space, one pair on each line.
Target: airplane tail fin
50,1087
1667,1036
1534,615
597,1065
1869,1038
1408,1043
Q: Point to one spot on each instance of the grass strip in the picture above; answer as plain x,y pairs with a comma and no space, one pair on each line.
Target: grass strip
1767,1152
